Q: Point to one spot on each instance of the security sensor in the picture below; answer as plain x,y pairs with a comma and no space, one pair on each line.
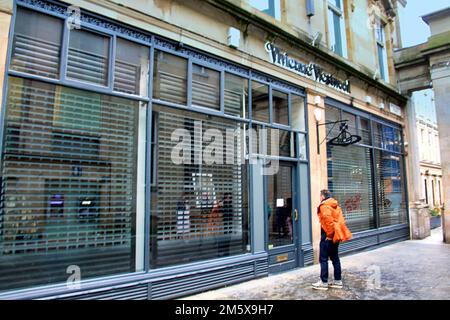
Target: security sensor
234,37
368,99
381,105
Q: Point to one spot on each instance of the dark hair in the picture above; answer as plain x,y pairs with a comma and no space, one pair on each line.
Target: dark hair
325,193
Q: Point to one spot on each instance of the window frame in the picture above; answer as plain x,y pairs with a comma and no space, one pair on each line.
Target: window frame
373,121
111,58
381,45
336,11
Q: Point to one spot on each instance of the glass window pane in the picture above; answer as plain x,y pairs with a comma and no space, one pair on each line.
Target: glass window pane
280,143
88,58
236,95
170,78
337,34
350,181
332,115
260,102
381,62
270,7
199,208
392,138
279,206
37,44
364,131
205,87
280,109
298,112
387,137
391,191
331,32
378,135
255,140
302,155
260,4
351,123
131,67
69,179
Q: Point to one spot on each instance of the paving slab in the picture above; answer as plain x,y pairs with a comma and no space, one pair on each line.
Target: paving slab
418,270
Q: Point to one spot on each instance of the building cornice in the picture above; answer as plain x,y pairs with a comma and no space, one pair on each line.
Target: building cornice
303,43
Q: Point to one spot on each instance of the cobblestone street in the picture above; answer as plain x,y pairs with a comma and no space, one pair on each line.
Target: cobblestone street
408,270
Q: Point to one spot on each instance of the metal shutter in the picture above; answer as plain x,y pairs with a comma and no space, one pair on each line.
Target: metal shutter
350,181
201,235
35,56
68,187
87,66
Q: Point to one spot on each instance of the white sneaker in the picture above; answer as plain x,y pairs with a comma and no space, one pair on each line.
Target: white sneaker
319,285
336,284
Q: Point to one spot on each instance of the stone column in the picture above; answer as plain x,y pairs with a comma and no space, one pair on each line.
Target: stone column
440,75
418,212
318,164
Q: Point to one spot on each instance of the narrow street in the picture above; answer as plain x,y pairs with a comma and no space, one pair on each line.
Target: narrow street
408,270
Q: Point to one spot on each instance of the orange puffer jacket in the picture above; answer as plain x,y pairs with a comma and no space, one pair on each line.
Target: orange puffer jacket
332,221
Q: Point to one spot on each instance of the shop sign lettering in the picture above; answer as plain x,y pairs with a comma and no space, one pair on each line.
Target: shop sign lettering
311,71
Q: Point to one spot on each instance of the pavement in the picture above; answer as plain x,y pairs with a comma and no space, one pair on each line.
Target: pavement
409,270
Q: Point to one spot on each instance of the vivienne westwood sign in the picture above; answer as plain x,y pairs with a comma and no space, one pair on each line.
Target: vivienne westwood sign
311,70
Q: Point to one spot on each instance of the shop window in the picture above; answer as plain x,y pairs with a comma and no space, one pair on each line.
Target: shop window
37,44
280,107
199,207
350,181
270,7
205,87
391,193
131,67
88,58
69,184
336,27
170,78
236,96
260,102
380,36
298,112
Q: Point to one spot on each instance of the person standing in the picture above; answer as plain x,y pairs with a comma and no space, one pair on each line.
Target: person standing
333,231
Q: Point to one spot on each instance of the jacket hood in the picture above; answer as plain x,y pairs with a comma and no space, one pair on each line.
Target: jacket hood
331,202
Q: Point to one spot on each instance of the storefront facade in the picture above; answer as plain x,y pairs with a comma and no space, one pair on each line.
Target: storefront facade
138,166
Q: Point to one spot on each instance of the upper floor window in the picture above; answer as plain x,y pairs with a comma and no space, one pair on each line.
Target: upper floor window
270,7
380,36
336,27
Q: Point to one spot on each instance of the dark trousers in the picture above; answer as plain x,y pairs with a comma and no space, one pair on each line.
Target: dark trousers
328,249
